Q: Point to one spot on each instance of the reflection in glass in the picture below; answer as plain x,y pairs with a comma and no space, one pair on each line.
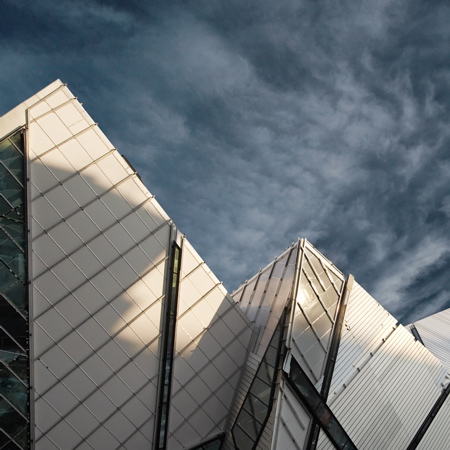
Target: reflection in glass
14,341
261,390
257,405
165,377
241,439
314,261
210,445
258,409
17,295
329,298
12,158
13,390
248,423
267,371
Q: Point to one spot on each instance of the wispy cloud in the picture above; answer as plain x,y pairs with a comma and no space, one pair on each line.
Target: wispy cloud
255,123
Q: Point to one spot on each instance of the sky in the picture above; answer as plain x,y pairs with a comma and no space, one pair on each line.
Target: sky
258,122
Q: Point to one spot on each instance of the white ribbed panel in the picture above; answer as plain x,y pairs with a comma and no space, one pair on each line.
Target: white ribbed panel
211,346
437,436
387,401
99,248
366,325
264,297
325,441
292,422
435,333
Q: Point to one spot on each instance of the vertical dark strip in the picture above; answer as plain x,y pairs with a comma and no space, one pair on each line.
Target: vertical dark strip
429,419
331,357
14,303
307,394
258,403
28,259
415,333
167,350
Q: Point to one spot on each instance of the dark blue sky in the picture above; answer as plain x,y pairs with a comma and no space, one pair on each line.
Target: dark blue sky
259,122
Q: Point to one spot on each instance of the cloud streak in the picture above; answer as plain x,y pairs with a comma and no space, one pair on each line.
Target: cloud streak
258,123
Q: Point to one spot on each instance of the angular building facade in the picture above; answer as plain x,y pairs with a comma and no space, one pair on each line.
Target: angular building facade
116,334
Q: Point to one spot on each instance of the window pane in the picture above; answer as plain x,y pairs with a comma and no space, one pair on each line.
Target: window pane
10,188
266,372
17,140
12,255
17,294
12,159
256,408
12,422
7,278
13,390
14,382
15,230
242,441
261,390
246,422
13,323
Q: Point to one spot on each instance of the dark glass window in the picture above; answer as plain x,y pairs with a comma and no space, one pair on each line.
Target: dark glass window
14,340
416,334
316,405
257,405
168,337
429,419
213,444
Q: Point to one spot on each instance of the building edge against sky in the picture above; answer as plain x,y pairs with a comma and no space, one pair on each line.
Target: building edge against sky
115,333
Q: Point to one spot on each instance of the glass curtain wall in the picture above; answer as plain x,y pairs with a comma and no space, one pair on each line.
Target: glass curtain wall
168,348
14,331
258,403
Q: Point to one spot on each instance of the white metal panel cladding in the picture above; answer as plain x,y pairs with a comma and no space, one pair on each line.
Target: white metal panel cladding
292,422
210,351
264,296
99,253
366,325
314,312
17,116
436,438
435,334
100,244
401,378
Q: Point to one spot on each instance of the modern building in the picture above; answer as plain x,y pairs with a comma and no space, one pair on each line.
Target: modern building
116,334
